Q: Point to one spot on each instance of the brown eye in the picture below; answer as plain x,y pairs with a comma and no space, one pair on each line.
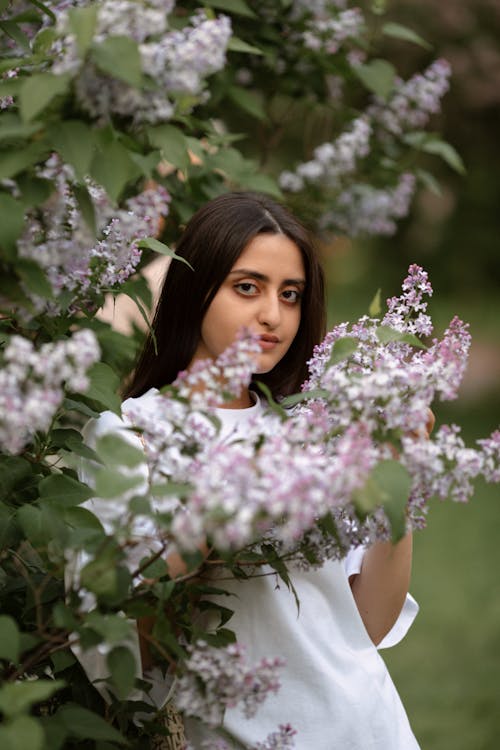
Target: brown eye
291,295
246,288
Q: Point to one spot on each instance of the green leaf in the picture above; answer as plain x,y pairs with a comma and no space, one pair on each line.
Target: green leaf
446,152
63,490
121,663
378,76
72,405
386,335
156,569
112,168
38,91
394,483
248,101
73,140
83,23
12,162
22,732
375,307
82,519
238,45
103,386
398,31
41,6
238,7
84,724
119,57
72,440
342,349
113,628
271,402
11,221
34,190
16,33
109,582
117,451
9,639
12,127
14,471
34,278
112,483
18,697
86,206
172,143
429,181
31,521
151,243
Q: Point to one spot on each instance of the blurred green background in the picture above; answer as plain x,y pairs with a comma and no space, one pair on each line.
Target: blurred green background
447,669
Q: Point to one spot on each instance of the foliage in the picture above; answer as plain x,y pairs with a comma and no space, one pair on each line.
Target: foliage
115,126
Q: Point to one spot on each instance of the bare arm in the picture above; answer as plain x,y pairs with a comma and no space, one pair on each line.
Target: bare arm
380,588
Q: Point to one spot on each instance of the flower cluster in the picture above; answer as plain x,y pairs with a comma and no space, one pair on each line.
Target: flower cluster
217,678
242,493
79,267
414,101
179,425
328,34
209,383
285,474
363,209
32,384
387,385
331,161
173,61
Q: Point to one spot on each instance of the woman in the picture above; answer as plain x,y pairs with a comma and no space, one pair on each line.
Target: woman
253,265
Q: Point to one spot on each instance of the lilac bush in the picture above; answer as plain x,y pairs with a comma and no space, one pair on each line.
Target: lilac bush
117,121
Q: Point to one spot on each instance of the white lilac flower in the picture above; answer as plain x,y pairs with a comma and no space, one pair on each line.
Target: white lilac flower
329,34
413,101
58,238
174,61
490,448
217,678
331,161
363,209
33,381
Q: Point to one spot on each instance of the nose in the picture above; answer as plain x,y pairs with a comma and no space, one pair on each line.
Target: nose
269,314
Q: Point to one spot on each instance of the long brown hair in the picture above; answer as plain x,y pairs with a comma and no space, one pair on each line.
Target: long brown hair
212,242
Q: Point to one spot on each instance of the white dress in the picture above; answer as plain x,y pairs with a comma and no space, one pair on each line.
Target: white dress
335,690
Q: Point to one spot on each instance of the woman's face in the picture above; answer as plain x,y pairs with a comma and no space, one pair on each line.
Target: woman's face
262,292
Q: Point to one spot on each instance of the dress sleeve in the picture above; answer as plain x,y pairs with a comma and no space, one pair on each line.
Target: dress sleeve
352,565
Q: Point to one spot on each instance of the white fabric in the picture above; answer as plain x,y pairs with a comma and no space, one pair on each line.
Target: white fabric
336,690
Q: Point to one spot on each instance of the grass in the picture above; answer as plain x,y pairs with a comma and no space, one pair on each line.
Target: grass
447,669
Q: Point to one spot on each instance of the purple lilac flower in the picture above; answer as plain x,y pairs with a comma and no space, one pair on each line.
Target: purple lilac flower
210,383
61,242
414,101
331,161
177,61
217,678
362,209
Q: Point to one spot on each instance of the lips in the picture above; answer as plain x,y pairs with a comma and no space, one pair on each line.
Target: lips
268,341
269,337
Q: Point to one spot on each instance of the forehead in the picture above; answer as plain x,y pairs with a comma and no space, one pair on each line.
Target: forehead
272,252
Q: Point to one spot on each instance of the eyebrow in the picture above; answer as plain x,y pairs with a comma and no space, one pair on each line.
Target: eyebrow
262,277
